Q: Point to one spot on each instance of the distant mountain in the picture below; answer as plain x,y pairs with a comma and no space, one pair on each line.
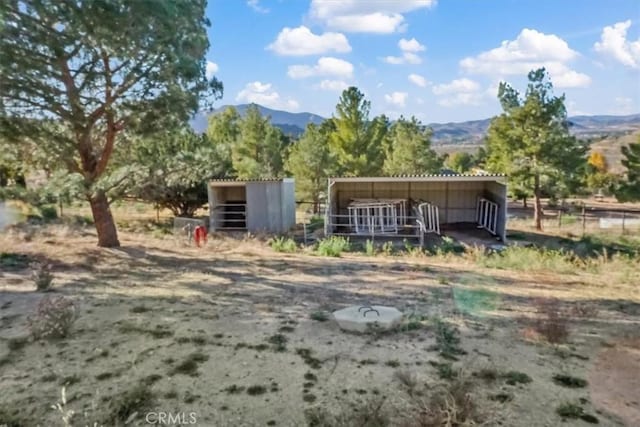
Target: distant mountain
290,123
470,132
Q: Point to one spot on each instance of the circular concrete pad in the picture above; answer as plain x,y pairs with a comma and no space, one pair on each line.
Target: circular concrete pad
359,318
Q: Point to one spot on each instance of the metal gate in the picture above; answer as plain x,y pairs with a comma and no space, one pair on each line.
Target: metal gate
430,218
487,215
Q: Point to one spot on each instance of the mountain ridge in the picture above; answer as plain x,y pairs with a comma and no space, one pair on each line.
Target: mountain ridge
467,132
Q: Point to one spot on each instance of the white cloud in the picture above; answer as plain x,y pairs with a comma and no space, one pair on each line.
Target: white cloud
263,94
211,69
255,5
398,99
456,86
326,66
458,92
380,16
418,80
332,85
408,56
301,41
530,50
412,45
613,42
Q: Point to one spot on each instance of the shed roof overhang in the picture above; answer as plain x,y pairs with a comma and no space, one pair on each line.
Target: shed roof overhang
499,178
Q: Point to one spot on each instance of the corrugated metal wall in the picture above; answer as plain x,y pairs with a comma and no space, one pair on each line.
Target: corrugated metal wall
288,204
456,200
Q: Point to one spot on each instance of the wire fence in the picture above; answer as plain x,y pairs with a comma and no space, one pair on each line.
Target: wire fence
585,219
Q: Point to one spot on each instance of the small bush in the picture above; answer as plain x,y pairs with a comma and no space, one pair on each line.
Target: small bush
369,248
53,318
319,316
279,342
283,244
125,405
452,405
189,366
569,381
575,411
42,276
13,261
256,390
48,213
447,340
387,248
370,413
333,246
515,377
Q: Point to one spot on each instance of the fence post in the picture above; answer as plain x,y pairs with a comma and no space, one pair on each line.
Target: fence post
559,219
624,217
584,218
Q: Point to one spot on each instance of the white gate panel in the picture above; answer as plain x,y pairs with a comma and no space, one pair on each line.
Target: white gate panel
487,215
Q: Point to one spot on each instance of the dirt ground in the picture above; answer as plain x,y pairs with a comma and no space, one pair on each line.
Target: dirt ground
228,300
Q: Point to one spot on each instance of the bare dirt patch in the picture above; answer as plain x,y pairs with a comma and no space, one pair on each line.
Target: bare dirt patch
229,332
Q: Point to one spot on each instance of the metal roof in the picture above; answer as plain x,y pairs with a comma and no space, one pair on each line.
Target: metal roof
235,181
424,178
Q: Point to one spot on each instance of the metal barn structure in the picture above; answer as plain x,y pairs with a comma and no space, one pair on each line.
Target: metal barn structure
414,206
252,205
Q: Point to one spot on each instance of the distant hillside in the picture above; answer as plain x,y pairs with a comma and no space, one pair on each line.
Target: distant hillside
463,133
290,123
610,147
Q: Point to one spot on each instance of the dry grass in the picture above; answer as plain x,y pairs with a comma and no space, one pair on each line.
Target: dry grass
156,302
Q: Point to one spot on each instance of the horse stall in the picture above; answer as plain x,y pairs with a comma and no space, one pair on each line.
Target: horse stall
461,206
252,205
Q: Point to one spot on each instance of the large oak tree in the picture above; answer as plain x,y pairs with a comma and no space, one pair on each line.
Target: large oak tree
75,75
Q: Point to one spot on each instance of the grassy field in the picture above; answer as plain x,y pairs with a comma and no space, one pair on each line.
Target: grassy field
239,334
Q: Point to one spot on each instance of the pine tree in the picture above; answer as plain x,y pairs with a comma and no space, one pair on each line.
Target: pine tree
629,190
530,142
409,149
310,163
356,141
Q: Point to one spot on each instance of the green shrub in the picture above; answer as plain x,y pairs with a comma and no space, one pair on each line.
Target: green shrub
369,248
448,246
315,223
48,213
283,244
388,249
333,246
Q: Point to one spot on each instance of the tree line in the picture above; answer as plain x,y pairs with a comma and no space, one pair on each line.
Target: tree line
98,97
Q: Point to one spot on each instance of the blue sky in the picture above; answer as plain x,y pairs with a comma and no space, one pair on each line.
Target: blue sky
438,60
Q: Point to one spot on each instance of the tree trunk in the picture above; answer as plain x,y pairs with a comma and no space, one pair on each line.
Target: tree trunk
524,202
105,226
537,204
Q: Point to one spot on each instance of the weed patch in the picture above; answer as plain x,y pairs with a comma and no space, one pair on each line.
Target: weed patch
279,342
319,316
574,411
189,366
307,357
283,244
333,246
135,400
256,390
569,381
